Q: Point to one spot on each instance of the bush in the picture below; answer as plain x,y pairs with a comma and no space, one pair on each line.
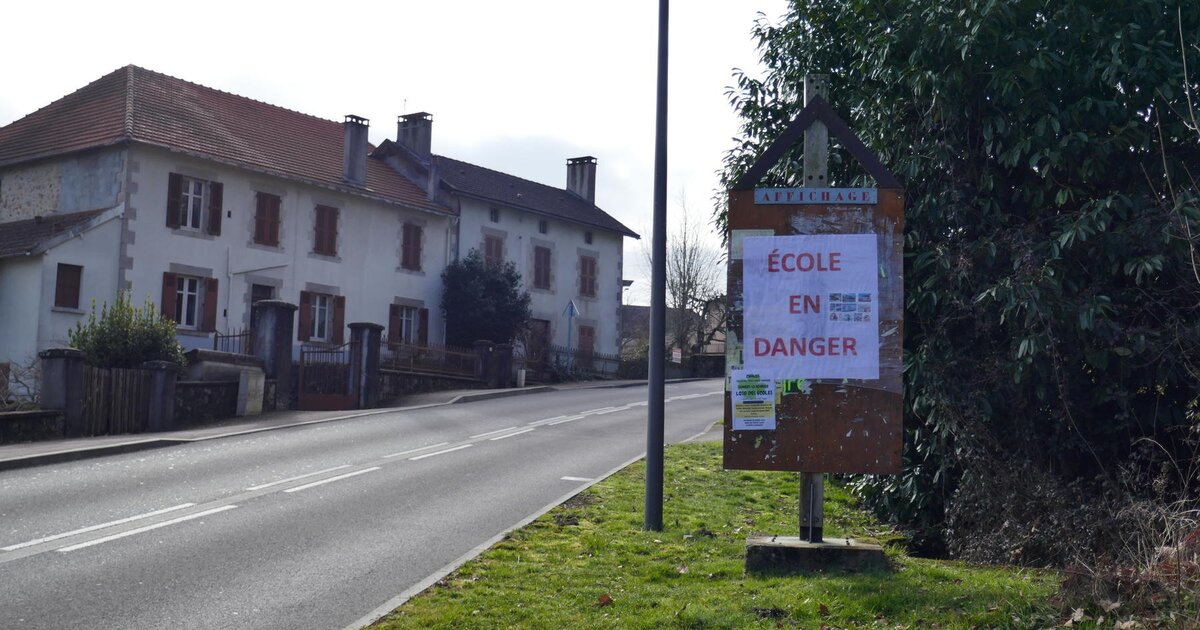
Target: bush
126,336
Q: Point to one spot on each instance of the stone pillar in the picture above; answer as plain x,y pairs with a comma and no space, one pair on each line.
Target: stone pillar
502,365
273,328
483,367
365,338
62,386
162,395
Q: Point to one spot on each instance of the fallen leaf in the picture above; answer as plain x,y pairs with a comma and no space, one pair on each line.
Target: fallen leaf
1077,615
1109,606
823,609
604,600
681,569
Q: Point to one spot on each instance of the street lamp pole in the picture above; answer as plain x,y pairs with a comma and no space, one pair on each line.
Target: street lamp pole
658,283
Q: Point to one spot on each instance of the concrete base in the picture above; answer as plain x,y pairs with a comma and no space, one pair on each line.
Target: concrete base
789,555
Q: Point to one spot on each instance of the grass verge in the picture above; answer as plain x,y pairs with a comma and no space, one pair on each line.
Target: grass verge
588,564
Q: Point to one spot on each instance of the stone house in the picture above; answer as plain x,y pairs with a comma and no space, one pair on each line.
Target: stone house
203,202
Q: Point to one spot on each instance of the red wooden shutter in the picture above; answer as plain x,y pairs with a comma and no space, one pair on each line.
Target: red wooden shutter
174,193
423,326
272,232
260,218
210,305
305,325
215,194
394,337
417,247
333,220
168,296
339,318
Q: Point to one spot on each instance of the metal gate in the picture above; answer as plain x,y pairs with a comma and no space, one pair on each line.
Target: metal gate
325,378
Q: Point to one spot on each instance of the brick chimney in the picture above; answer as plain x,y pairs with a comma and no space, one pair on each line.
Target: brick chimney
354,150
581,177
415,132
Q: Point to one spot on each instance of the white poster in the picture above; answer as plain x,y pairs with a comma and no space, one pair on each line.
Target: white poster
811,306
753,401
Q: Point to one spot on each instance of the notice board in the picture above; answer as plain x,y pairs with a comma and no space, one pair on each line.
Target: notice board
816,308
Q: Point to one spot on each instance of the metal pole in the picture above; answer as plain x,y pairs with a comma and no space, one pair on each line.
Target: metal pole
658,294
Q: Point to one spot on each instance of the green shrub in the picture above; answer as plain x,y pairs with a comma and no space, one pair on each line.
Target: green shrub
126,336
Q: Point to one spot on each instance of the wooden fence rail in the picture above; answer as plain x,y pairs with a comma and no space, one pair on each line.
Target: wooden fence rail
115,400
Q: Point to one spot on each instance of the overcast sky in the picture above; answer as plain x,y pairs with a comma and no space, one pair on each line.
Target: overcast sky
518,86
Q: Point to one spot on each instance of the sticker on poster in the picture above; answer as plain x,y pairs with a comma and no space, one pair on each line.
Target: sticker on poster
753,401
811,306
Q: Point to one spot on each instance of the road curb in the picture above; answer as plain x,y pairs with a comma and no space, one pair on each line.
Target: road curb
89,452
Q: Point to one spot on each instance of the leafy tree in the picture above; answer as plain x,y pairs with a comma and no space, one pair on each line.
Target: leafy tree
126,336
483,301
1050,154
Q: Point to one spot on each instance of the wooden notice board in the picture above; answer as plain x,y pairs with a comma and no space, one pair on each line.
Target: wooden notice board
838,425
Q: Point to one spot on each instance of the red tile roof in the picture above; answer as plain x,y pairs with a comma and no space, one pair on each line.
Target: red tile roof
21,238
135,104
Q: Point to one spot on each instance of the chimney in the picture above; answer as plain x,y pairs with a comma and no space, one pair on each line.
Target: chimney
415,132
581,177
354,150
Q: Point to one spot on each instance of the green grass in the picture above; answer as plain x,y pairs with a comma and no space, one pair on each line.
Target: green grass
559,571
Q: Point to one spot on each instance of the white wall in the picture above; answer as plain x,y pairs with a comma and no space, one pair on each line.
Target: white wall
20,292
366,270
566,241
96,251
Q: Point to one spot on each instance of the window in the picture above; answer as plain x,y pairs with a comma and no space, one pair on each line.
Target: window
587,276
587,237
408,324
193,204
191,301
325,231
493,249
322,317
410,250
543,226
66,286
541,267
260,292
494,215
266,219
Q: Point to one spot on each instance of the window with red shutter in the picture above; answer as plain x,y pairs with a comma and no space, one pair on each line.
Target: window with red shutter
410,249
493,249
325,231
266,219
587,276
541,267
66,286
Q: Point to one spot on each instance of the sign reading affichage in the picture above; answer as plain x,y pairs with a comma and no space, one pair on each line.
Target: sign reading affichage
802,196
811,306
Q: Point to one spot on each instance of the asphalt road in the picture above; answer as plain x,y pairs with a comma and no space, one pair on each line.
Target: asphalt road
308,527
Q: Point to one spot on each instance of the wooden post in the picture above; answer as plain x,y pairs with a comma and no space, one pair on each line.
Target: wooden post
816,174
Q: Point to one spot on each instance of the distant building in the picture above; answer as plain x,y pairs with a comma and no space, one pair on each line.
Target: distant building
204,202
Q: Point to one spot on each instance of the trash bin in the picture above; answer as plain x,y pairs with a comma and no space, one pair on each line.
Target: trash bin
521,377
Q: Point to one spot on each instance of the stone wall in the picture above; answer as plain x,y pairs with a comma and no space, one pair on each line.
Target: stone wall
394,384
29,426
200,402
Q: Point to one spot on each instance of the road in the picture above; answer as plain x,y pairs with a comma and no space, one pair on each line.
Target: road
308,527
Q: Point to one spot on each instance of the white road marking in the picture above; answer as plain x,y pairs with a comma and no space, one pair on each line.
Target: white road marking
93,528
576,478
492,433
571,419
536,423
415,450
591,411
296,478
502,437
449,450
610,410
331,479
146,528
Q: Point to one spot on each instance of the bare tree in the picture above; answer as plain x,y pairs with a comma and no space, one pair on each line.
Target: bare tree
695,279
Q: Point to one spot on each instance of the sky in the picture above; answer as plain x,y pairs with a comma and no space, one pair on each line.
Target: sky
517,86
